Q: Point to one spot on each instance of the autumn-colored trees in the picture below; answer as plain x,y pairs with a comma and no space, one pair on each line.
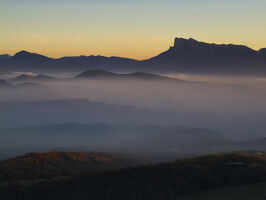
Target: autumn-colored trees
165,181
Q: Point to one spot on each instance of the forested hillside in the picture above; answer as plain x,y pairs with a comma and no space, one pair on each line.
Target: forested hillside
166,181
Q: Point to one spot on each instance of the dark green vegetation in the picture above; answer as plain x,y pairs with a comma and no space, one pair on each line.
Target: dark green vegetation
255,191
167,181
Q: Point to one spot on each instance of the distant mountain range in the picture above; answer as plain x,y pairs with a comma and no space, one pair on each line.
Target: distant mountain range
98,73
82,110
90,74
186,56
33,78
26,61
23,84
4,56
129,138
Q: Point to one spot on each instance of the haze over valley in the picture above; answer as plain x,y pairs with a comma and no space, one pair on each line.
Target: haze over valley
132,100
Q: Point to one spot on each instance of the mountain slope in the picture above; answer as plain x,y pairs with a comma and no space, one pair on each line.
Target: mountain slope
194,56
56,164
101,61
76,110
98,73
182,140
157,182
187,55
24,56
24,61
108,137
192,50
33,78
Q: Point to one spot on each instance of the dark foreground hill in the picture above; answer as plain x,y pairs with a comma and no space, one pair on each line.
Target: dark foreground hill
166,181
40,166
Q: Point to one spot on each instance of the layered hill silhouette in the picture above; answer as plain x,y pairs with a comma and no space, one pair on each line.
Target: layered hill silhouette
27,61
98,74
33,78
126,138
186,55
22,84
78,110
94,74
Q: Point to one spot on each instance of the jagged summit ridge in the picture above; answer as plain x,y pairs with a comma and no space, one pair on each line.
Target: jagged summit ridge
184,44
185,56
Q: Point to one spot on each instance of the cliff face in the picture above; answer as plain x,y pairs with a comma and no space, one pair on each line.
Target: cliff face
192,56
192,49
186,55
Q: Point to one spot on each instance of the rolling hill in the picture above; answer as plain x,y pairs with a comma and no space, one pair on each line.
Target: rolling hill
111,137
32,166
161,181
21,85
72,110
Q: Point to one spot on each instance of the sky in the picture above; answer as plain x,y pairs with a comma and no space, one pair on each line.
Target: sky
128,28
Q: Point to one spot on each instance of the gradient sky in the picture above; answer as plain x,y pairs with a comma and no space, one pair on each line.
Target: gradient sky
128,28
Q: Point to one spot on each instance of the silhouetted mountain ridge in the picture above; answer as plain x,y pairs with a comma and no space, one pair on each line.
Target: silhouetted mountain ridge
186,55
4,56
25,56
189,55
98,73
33,78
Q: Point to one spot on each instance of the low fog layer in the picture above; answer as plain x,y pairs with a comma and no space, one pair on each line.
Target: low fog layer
236,108
156,94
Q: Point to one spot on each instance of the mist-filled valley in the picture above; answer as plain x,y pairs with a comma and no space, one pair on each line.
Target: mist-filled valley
145,113
132,100
181,125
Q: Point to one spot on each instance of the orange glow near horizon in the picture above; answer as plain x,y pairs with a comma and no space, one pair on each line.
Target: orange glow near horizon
127,28
139,49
